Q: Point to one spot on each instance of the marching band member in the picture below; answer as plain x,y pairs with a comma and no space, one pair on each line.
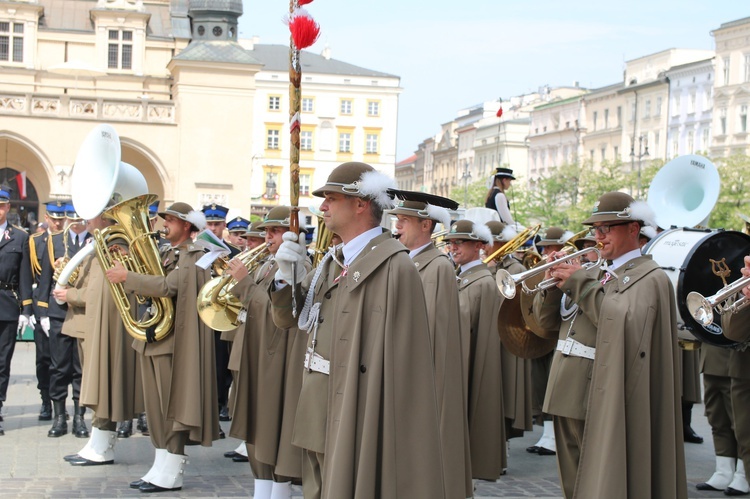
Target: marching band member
567,394
552,241
54,217
516,371
267,361
717,391
368,331
237,228
479,301
416,221
737,328
631,443
178,372
216,222
108,383
15,290
66,350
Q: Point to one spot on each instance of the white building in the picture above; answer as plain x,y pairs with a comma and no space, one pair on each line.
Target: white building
690,108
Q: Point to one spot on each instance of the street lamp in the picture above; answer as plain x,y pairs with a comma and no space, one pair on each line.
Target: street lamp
466,177
642,153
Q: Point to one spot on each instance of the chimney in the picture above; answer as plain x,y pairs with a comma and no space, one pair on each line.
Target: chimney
326,53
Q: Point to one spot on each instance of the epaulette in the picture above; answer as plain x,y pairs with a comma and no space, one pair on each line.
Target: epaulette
36,267
20,228
36,234
56,232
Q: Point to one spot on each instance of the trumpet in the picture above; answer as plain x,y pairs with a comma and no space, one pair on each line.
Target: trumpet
702,308
218,308
507,282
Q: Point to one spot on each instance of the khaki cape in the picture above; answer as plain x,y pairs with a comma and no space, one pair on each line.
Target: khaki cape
441,295
632,441
480,304
192,405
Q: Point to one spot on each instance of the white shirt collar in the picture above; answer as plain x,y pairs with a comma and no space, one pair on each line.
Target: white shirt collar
623,259
353,248
81,237
4,227
417,251
470,265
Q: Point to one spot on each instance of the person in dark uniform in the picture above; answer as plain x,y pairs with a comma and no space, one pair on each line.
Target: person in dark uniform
237,228
216,222
15,290
65,365
55,222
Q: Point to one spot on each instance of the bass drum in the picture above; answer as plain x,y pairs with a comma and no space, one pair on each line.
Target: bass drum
685,255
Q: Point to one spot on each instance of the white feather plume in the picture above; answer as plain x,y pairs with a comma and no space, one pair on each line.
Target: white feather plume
508,233
439,214
566,235
197,218
375,185
640,210
648,231
482,232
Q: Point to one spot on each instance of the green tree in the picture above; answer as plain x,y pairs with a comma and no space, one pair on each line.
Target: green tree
734,172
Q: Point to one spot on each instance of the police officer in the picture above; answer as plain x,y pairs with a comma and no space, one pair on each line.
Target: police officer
15,290
216,222
55,220
65,365
237,229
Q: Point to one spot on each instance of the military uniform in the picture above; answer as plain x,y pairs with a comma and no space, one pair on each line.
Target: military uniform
217,213
15,292
65,350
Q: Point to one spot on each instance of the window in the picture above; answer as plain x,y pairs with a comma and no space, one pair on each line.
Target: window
272,138
676,110
120,49
345,142
373,108
591,153
708,98
616,153
675,148
633,111
11,42
604,153
606,119
274,103
619,116
691,142
308,105
595,119
705,141
306,140
747,68
743,119
305,180
346,106
371,142
691,103
656,141
725,70
657,110
723,121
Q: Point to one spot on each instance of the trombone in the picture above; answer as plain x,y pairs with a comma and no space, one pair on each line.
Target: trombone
702,308
513,245
507,282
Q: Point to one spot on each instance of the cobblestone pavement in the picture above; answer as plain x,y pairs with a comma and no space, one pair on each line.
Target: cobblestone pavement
31,464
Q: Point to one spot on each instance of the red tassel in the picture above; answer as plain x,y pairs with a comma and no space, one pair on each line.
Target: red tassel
305,31
499,112
304,2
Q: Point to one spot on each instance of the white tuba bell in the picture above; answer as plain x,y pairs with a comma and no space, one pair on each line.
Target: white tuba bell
684,191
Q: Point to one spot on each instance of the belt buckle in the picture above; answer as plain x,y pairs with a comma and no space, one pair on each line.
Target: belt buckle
308,360
568,347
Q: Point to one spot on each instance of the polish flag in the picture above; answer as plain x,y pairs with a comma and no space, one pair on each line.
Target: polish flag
21,181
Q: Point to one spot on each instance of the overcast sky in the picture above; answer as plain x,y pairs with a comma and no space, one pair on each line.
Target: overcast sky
453,54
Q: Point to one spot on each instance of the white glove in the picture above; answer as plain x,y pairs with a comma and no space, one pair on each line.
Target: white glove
23,321
44,321
32,321
289,253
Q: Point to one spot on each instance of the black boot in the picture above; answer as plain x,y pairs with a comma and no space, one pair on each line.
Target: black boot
79,425
45,413
2,432
59,425
687,417
125,429
143,424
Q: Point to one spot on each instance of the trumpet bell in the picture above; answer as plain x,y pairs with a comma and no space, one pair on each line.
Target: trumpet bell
506,284
700,308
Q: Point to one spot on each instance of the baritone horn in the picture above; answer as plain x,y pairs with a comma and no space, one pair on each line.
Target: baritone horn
702,308
99,180
507,282
218,308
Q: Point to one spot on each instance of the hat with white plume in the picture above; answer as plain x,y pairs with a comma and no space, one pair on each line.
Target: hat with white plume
185,212
359,180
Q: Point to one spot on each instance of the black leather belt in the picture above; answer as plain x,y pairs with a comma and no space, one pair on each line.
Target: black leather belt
8,286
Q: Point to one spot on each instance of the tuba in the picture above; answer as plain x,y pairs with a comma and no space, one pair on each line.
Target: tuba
218,308
100,179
